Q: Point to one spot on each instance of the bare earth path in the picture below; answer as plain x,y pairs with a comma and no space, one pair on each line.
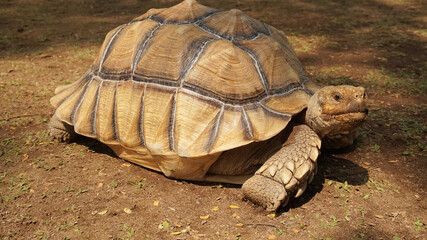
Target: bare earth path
376,190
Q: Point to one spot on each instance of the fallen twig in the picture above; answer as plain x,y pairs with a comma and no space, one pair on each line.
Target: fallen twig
19,116
258,225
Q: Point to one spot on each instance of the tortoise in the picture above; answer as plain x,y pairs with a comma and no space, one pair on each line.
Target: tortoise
206,95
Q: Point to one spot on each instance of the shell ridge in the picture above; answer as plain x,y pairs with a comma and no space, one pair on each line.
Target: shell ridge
79,103
141,119
165,83
285,90
108,47
90,76
208,30
193,21
193,61
86,76
156,19
266,28
214,135
274,112
187,10
142,47
249,132
171,128
258,67
223,99
115,130
95,110
309,92
255,34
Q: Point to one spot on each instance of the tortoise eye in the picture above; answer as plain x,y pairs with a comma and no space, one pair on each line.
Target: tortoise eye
337,97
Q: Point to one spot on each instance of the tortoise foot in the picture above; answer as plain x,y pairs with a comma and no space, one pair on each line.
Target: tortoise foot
265,192
287,173
61,131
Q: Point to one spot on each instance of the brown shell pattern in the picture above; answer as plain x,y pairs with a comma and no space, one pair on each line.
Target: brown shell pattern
187,81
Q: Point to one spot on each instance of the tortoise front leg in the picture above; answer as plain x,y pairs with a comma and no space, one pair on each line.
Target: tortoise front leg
286,173
60,130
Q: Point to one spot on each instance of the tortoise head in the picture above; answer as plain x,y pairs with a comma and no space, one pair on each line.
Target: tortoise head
336,109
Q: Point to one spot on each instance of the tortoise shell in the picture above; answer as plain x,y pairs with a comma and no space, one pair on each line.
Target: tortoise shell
186,81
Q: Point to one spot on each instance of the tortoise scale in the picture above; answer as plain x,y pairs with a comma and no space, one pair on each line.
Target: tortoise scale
202,94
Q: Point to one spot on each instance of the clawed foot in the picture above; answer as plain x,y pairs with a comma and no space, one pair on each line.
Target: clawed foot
287,173
60,130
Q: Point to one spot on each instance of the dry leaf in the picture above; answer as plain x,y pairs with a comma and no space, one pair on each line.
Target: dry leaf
239,224
127,210
100,185
234,206
175,233
216,208
102,212
204,217
126,165
272,237
25,157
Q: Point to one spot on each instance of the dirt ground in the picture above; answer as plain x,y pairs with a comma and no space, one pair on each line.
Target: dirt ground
375,190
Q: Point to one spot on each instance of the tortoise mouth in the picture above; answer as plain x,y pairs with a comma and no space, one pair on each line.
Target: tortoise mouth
352,118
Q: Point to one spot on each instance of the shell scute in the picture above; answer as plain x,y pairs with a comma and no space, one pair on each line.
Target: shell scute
106,118
265,124
84,113
158,103
67,105
278,72
129,107
171,51
227,71
195,122
233,24
121,53
187,11
294,101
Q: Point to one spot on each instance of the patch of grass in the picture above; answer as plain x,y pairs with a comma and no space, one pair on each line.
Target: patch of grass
140,183
375,148
81,191
129,232
419,226
385,82
85,53
77,230
48,164
64,226
362,216
113,184
42,38
18,185
10,148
